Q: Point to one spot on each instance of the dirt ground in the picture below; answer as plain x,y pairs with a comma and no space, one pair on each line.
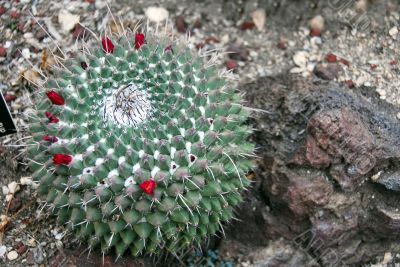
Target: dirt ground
353,45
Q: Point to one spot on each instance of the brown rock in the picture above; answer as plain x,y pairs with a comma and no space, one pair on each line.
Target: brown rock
327,71
15,204
238,52
311,154
181,24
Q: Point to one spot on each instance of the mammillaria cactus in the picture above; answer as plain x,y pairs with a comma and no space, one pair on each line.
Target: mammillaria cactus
139,144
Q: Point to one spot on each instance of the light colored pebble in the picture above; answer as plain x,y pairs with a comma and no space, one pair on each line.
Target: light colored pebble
3,251
300,59
156,14
26,180
317,23
13,187
12,255
5,190
67,20
394,31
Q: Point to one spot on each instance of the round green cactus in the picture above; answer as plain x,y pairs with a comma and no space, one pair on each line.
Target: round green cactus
140,145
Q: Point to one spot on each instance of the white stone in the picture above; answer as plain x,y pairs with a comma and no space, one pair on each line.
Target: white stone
9,197
3,251
12,255
13,187
26,53
300,59
259,17
67,20
156,14
5,190
393,31
317,23
26,180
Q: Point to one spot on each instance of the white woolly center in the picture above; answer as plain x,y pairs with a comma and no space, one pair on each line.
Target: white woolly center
127,106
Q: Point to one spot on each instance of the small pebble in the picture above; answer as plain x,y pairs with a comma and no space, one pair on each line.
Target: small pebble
181,24
12,255
13,187
156,14
2,10
3,250
3,51
26,180
231,64
393,31
14,15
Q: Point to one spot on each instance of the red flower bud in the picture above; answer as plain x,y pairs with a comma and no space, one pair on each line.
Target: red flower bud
51,117
62,159
51,139
148,186
55,98
139,40
108,46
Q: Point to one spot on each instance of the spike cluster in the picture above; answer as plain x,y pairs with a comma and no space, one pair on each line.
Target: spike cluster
140,146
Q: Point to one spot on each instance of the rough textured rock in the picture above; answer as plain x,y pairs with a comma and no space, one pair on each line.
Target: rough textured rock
328,177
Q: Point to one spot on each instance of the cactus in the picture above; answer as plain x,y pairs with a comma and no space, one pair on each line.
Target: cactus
139,144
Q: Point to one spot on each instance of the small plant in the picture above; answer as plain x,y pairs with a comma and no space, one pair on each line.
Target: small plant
139,144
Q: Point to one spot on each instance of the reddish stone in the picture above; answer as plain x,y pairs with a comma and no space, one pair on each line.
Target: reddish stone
231,64
20,248
350,83
393,62
181,24
373,66
311,154
331,58
247,25
3,51
2,10
15,15
9,97
90,1
305,194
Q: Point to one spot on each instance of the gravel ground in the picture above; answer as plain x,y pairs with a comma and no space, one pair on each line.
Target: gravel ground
296,38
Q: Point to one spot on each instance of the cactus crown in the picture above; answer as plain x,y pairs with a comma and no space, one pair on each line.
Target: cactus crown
140,145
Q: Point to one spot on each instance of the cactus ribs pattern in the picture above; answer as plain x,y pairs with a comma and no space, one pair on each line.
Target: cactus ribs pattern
139,145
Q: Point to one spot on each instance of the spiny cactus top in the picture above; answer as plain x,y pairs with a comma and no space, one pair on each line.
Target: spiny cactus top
138,144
